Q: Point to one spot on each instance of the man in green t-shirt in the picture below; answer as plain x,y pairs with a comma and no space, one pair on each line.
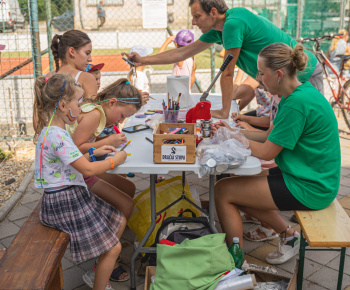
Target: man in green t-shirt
243,34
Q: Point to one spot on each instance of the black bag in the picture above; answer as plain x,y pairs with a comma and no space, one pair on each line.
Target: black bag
177,229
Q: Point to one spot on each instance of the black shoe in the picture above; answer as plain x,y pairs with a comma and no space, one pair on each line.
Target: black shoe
294,219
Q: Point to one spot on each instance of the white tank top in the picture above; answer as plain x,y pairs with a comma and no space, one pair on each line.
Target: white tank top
77,76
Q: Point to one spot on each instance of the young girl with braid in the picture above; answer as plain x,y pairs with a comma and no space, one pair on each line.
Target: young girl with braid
111,106
94,226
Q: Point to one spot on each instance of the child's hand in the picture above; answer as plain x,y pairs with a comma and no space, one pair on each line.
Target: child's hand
170,38
240,117
220,124
117,139
244,125
145,97
119,157
105,149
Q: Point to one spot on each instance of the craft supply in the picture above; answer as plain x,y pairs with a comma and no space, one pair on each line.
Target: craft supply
159,112
151,110
116,129
140,116
237,283
149,113
171,116
179,85
128,61
127,143
148,139
151,98
128,154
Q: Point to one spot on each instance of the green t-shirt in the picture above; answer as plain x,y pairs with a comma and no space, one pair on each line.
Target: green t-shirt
252,33
305,125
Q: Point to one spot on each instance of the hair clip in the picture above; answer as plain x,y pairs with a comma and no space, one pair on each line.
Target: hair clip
46,79
76,83
127,83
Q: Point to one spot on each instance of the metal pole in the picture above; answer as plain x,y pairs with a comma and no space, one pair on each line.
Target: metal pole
49,31
299,18
212,65
2,14
342,14
34,32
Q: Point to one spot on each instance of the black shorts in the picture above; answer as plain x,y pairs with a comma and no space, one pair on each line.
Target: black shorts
281,195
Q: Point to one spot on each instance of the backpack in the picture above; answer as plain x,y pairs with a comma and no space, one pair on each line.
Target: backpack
177,229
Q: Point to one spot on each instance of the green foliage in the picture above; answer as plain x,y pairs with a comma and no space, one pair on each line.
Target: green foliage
58,7
5,155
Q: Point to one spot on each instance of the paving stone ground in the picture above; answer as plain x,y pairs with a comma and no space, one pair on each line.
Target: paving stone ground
321,268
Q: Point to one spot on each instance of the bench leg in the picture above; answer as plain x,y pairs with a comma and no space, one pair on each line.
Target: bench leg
57,281
301,262
341,268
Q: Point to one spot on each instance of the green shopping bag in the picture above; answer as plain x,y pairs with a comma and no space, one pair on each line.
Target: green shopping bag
193,264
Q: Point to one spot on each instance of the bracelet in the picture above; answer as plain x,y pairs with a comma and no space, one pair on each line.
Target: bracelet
112,162
91,153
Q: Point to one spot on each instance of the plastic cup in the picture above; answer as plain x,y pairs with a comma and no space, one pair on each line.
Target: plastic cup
171,116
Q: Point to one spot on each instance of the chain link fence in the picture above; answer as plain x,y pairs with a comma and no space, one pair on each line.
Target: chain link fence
122,29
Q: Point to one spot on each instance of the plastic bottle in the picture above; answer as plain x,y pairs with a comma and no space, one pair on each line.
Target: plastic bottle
236,253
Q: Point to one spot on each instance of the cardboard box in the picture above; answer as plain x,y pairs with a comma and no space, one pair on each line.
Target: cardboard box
260,276
174,153
150,271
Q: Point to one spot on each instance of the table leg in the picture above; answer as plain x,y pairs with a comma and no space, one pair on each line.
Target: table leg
212,203
140,248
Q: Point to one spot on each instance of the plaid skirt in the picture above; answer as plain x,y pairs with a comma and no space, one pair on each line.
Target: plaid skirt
90,222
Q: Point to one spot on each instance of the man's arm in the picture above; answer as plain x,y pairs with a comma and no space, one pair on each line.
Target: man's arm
227,86
170,56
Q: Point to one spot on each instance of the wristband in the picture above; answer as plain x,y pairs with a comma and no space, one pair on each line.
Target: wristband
91,153
112,162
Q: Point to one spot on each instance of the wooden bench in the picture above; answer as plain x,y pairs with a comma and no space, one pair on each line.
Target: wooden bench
329,227
33,260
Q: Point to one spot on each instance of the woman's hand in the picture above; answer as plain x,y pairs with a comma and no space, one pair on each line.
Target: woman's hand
105,149
119,157
116,139
145,97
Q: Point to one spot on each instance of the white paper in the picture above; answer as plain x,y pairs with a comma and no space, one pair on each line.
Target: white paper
173,153
179,84
232,274
154,13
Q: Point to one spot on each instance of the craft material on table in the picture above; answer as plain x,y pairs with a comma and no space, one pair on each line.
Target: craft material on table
149,113
116,129
127,143
140,116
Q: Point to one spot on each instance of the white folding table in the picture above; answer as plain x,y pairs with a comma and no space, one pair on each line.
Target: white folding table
141,161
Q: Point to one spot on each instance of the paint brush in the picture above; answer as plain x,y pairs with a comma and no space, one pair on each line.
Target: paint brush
127,143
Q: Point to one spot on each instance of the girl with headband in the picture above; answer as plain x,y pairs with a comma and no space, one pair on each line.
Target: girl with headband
94,226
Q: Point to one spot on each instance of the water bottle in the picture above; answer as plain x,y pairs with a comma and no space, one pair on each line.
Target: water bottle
236,253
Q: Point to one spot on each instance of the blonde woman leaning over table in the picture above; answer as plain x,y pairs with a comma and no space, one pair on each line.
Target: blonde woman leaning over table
303,140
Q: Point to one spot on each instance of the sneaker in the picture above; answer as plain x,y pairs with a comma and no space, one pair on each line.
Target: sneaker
89,278
285,251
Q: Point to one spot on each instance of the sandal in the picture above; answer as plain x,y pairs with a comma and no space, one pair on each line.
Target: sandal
254,235
117,272
250,219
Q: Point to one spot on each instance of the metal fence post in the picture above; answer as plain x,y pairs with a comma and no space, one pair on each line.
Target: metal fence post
342,14
212,65
35,37
299,18
49,31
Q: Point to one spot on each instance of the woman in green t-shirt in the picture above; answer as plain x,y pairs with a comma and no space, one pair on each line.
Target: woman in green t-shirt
303,140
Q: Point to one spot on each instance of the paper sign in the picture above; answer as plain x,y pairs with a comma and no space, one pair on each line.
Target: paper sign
173,153
154,13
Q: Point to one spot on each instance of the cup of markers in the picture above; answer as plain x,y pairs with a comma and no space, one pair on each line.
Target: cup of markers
171,110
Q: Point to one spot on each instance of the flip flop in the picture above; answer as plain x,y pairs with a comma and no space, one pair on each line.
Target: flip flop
270,234
116,274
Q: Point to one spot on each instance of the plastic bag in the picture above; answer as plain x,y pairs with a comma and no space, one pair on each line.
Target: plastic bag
227,149
167,191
